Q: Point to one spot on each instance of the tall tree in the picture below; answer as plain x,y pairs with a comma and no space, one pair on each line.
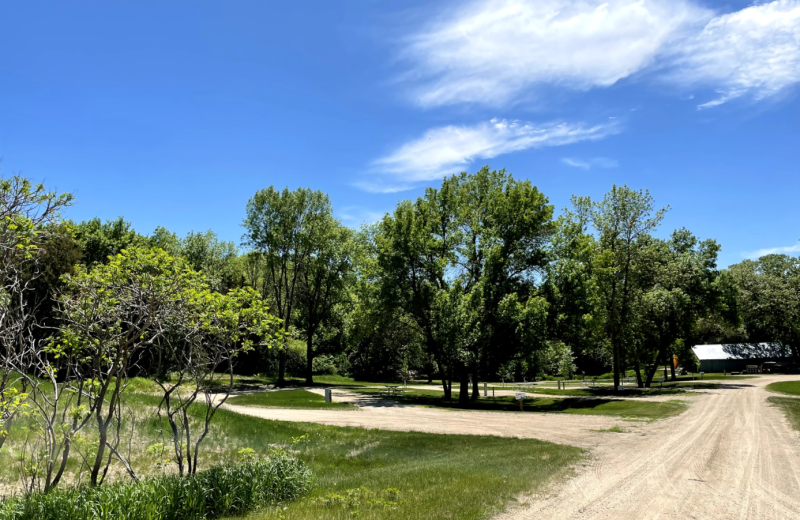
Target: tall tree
769,299
623,222
287,228
101,240
468,249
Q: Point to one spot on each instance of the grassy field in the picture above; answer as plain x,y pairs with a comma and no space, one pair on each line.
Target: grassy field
288,399
376,474
370,474
587,406
785,387
790,406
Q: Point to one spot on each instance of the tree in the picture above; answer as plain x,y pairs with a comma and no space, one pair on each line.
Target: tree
287,228
204,333
476,243
28,217
101,240
679,289
768,299
109,316
623,221
325,276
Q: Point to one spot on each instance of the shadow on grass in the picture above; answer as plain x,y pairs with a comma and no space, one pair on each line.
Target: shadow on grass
574,405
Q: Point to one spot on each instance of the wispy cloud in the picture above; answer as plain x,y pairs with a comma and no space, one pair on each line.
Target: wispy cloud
772,251
354,216
497,52
492,51
451,149
754,52
599,162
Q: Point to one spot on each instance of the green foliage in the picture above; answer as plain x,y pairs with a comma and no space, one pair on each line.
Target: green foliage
99,241
231,489
768,299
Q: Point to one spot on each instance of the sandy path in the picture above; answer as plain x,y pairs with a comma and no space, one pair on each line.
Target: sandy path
561,428
730,456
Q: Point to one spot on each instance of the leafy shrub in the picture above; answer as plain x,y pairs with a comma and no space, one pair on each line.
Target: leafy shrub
323,365
230,489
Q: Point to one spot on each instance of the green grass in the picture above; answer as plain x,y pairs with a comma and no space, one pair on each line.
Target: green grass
288,399
587,406
785,387
371,474
791,407
374,474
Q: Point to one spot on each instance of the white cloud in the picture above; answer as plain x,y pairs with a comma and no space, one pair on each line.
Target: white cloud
452,149
755,51
772,251
354,216
491,51
600,162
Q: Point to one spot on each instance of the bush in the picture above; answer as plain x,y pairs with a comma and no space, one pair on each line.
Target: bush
323,365
231,489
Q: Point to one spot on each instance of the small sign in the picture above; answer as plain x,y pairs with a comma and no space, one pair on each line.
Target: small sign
519,396
660,379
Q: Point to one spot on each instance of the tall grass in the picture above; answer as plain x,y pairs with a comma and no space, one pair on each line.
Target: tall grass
230,489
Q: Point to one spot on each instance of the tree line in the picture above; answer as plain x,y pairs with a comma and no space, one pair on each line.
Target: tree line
477,279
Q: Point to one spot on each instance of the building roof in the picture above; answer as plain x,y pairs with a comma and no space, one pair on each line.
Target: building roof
740,351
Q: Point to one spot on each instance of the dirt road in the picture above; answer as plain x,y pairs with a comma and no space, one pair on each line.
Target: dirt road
730,456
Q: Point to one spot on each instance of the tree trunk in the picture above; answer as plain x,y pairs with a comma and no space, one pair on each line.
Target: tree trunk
98,460
615,353
447,385
463,393
281,366
476,393
672,367
639,382
310,358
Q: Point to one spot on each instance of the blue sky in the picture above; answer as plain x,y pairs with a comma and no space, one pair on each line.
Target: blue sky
175,113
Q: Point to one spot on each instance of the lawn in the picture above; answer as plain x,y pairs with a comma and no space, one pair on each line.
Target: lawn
585,406
785,387
791,407
371,474
376,474
288,399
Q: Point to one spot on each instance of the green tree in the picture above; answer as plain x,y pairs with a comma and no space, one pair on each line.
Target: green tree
109,315
101,240
623,222
768,299
474,249
678,288
29,228
287,229
326,277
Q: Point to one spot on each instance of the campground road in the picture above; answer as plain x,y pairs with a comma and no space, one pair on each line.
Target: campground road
730,456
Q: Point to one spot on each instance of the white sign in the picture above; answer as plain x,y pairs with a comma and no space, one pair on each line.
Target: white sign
660,379
520,396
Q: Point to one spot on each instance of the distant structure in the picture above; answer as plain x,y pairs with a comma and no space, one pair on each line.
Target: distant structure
735,357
